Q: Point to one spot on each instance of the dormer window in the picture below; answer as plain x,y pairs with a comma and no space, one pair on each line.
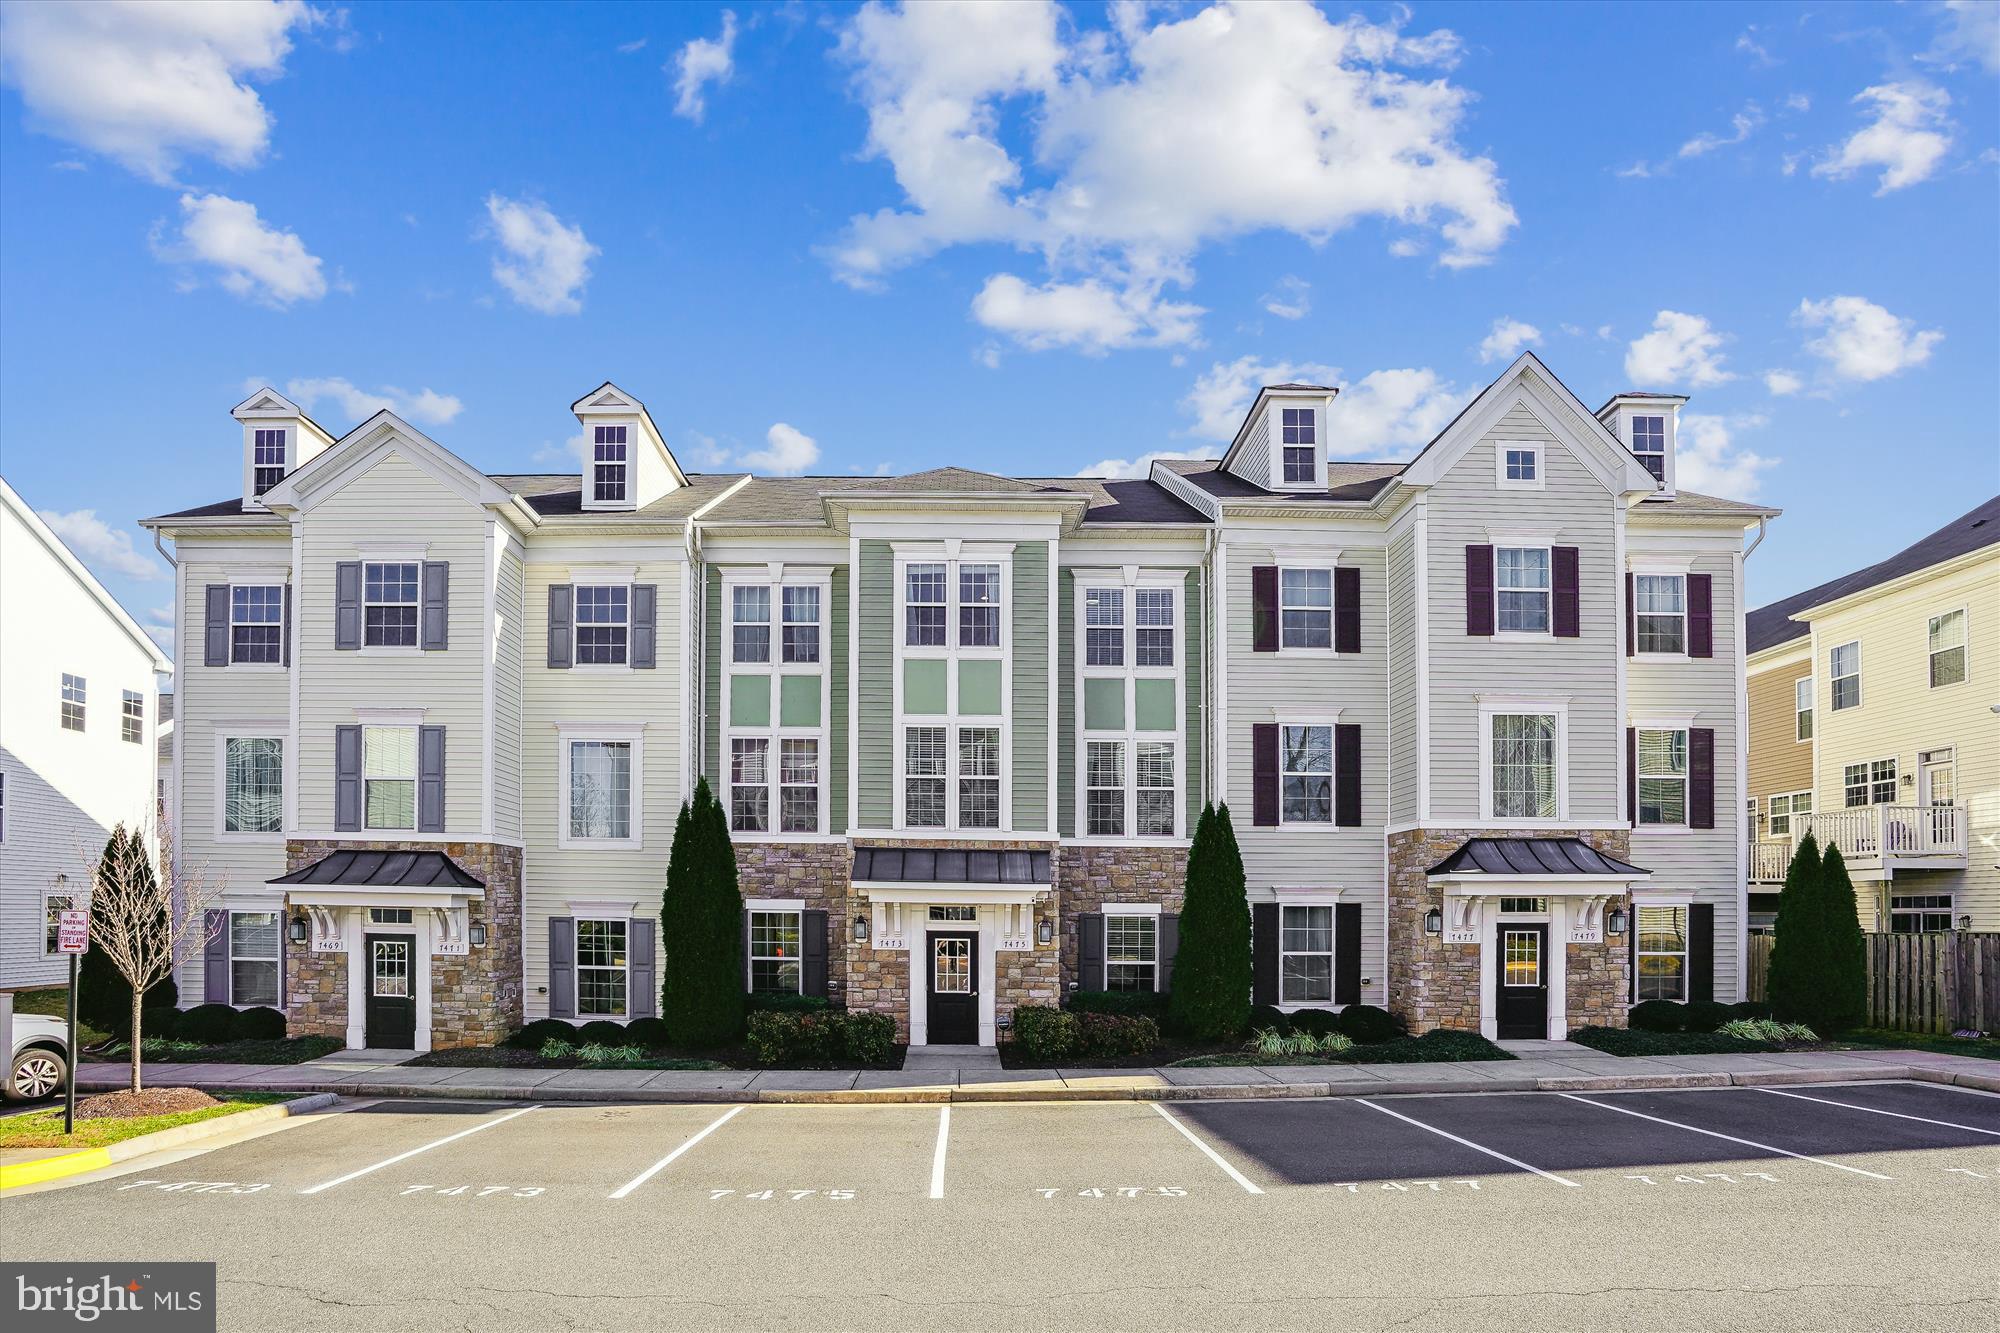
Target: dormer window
268,459
609,465
1300,441
1649,442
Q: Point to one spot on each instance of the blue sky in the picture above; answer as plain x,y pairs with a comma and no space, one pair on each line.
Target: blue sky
832,239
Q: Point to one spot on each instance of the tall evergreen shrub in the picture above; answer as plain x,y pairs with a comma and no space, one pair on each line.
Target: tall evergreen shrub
701,923
1211,994
1843,996
1796,934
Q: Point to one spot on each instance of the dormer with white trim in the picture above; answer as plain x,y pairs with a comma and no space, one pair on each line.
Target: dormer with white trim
278,439
1647,424
627,464
1281,444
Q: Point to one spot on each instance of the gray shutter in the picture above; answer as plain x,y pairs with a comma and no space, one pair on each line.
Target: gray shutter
215,958
285,627
1090,951
1170,946
434,619
812,953
430,779
562,635
347,779
215,625
642,996
645,633
347,604
1347,953
562,967
1263,953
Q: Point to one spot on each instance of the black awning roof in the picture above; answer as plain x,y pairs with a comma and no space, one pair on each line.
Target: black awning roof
378,869
1533,857
950,865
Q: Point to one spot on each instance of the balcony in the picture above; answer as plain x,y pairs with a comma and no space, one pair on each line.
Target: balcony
1769,861
1891,837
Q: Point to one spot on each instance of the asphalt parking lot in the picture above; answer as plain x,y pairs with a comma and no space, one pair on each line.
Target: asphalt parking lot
1862,1205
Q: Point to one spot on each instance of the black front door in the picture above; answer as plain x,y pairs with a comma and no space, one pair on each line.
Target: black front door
954,990
392,991
1524,979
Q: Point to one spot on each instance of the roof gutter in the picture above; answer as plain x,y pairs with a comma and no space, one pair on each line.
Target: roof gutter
1763,526
157,546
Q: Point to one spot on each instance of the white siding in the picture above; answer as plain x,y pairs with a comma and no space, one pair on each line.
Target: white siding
1403,677
510,612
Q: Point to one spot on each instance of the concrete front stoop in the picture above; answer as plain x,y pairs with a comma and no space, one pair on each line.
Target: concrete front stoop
942,1059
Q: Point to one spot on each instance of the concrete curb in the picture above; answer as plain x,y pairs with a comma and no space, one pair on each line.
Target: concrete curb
40,1170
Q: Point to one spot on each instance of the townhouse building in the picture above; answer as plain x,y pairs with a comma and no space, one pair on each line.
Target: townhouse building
1478,718
1873,702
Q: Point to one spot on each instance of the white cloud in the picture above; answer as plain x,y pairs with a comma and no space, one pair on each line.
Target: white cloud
107,550
1907,139
1707,458
1682,351
425,407
1405,247
1391,412
1859,340
1507,338
1223,393
1748,43
543,262
628,48
146,82
254,260
1088,316
1798,102
788,452
1968,33
1122,468
1151,140
1782,383
1741,126
1290,299
701,62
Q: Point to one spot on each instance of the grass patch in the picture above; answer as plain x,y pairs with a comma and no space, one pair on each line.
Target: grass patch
277,1051
1883,1039
54,1003
43,1129
1441,1046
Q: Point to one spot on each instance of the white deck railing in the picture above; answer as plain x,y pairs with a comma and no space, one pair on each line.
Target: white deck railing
1769,860
1867,832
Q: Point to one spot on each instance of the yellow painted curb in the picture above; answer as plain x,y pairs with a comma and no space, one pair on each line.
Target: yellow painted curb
43,1169
52,1168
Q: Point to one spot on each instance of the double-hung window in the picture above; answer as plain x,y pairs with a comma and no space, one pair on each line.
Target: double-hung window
253,790
1919,911
1305,762
601,968
267,462
1131,708
1131,952
1155,799
389,604
1649,442
801,628
1802,708
1946,643
608,465
603,624
798,785
132,724
1843,665
774,699
1871,783
924,605
1104,788
1521,582
979,777
389,776
978,606
1661,952
924,777
1782,809
1153,627
1305,608
253,958
774,952
1660,610
1524,765
257,623
1305,954
1300,441
1104,627
600,790
750,784
750,619
53,906
1663,776
73,699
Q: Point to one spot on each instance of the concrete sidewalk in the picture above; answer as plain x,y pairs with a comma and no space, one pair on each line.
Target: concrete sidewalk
1555,1072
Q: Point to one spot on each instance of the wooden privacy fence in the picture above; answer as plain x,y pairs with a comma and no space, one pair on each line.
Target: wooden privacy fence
1938,981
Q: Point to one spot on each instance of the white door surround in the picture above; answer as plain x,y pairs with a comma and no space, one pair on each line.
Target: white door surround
1004,918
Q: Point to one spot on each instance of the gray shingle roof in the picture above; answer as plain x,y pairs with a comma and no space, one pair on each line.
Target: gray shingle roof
557,494
1532,856
1344,481
1769,626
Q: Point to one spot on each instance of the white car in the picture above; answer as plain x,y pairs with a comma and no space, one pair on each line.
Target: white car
39,1060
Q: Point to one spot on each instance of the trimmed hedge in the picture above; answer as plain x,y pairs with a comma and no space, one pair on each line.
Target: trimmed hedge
208,1024
162,1021
787,1002
1657,1016
1144,1003
827,1039
648,1032
1046,1035
1316,1022
1639,1041
541,1031
259,1024
1367,1025
603,1032
1266,1016
1707,1015
1441,1044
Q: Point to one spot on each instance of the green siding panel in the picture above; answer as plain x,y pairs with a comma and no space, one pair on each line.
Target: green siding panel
923,686
836,657
1031,687
749,701
1153,705
876,665
979,688
1104,704
798,701
1066,730
1191,600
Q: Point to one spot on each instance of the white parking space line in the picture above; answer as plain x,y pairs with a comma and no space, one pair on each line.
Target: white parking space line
937,1159
668,1160
1207,1151
1476,1147
405,1156
1731,1138
1873,1110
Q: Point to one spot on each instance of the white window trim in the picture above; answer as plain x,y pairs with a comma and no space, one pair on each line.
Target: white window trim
1685,953
1791,800
1332,951
1497,705
1275,433
1669,426
1833,681
1964,615
629,474
277,579
1951,912
1130,581
1812,707
630,733
1331,721
1869,780
1653,571
951,552
1149,910
82,702
776,907
392,649
1549,562
576,952
600,578
1325,563
416,778
288,437
229,928
776,577
74,898
225,732
1686,778
1501,448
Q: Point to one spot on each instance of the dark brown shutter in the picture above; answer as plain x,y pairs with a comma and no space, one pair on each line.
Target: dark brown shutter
1264,608
1347,953
1701,951
1701,777
1631,616
1090,951
1264,775
1632,775
1347,775
642,996
561,630
1479,590
1346,610
1170,947
1263,953
347,605
562,967
1564,570
1701,615
215,625
812,953
347,779
215,957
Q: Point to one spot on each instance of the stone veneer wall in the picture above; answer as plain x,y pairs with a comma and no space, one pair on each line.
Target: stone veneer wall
475,998
1433,984
1091,877
816,873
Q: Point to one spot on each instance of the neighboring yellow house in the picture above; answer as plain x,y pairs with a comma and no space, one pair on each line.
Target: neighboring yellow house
1874,706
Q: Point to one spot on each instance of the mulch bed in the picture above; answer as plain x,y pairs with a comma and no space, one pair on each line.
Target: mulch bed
153,1101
